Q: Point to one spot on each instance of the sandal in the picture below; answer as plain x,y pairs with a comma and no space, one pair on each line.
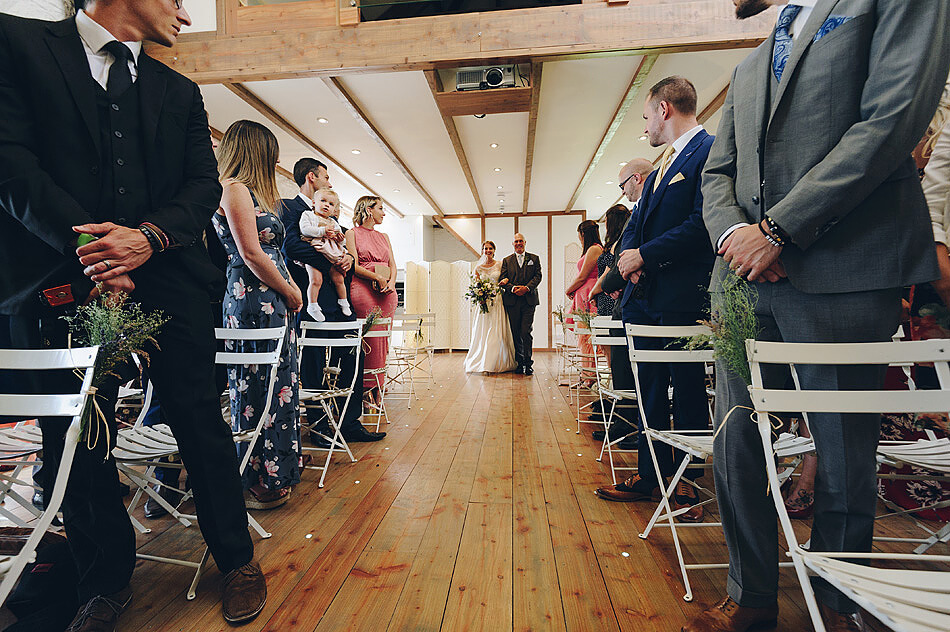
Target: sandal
265,498
800,504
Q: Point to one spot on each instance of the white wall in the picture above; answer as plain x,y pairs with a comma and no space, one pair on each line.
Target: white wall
40,9
203,16
406,237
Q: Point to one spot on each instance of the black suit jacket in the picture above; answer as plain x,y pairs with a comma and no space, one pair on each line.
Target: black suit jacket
297,252
528,275
49,157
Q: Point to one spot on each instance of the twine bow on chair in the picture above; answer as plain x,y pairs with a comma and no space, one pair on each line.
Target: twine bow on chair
776,424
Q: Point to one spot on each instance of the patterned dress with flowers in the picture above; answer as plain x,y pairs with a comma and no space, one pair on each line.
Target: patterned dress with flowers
250,304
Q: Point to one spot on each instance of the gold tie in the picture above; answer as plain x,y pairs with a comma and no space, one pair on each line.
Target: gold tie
664,165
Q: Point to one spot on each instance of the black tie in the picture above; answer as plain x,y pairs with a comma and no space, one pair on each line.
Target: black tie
120,78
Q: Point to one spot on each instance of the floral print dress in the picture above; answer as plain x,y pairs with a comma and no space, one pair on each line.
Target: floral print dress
250,304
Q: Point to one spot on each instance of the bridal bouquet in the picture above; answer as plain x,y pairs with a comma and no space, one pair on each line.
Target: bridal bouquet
482,292
120,328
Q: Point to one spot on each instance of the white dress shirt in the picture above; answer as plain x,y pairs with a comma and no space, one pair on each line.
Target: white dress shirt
797,25
936,185
306,200
680,143
94,36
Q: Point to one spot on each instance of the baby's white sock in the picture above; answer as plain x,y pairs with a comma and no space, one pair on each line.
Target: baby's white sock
314,310
345,307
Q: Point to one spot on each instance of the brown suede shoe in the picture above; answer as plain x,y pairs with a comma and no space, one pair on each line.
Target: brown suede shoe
685,496
728,616
838,621
244,593
100,614
631,490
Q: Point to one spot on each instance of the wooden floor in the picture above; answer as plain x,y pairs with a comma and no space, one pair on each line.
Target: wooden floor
477,512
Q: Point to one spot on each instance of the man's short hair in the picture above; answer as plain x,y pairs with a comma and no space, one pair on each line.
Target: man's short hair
305,166
677,91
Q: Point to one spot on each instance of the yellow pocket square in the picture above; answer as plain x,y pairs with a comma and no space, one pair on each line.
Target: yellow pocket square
677,178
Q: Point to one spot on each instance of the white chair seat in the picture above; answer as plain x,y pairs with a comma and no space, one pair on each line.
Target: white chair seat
697,445
932,454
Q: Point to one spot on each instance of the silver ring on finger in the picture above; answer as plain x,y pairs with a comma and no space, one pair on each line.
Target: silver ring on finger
108,264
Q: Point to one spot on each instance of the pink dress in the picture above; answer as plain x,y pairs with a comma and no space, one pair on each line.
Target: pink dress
582,303
372,249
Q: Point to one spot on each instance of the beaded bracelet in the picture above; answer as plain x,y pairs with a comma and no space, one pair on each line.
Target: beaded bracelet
776,230
772,240
156,238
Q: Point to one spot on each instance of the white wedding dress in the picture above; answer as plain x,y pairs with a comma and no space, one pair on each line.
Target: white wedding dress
492,348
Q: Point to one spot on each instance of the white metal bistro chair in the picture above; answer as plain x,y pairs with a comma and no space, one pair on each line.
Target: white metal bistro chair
905,600
422,343
403,359
13,450
382,328
584,367
611,398
140,449
346,337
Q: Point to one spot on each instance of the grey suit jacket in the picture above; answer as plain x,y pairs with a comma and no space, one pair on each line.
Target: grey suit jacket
828,155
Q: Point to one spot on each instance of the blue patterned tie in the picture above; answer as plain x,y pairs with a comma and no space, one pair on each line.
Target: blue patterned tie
783,41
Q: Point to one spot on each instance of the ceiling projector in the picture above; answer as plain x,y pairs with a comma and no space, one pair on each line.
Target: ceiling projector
485,78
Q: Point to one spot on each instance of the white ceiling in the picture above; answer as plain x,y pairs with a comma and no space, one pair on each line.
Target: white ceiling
577,102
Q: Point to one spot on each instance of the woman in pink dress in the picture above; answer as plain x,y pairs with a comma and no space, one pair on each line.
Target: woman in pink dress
373,254
588,233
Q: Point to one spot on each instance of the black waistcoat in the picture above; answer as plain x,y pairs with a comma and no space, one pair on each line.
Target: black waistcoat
123,188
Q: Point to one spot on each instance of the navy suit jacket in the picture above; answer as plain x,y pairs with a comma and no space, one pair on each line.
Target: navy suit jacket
298,252
671,235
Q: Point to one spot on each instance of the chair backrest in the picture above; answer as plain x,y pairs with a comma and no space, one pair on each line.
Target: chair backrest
865,401
382,328
601,327
252,357
347,335
57,405
666,355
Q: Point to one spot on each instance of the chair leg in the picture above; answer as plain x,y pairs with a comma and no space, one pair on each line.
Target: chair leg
193,589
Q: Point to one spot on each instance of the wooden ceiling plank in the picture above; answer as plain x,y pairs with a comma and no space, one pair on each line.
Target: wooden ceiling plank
460,39
435,85
633,89
349,103
532,129
286,126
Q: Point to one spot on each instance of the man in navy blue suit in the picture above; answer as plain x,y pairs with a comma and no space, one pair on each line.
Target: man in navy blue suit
311,175
667,259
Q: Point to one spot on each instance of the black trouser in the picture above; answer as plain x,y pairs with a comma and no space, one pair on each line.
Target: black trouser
521,319
622,375
312,375
96,521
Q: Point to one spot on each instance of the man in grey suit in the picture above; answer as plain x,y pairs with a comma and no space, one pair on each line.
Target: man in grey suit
810,190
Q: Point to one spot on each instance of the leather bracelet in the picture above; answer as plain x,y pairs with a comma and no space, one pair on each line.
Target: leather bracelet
777,231
159,235
772,240
152,239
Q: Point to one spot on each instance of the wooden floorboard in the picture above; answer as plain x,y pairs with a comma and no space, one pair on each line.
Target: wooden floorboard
477,512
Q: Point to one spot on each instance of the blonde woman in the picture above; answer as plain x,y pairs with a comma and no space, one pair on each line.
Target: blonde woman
260,294
374,280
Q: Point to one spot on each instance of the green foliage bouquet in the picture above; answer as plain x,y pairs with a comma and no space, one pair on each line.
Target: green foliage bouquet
120,328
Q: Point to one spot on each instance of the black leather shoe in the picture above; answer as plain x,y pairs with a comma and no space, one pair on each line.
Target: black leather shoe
519,370
318,438
154,510
38,500
359,434
528,370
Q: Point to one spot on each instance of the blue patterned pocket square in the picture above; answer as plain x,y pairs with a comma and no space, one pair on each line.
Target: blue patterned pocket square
831,24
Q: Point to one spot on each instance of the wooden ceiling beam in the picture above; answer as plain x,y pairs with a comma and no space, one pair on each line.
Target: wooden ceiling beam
435,85
532,129
302,50
287,127
337,88
513,215
633,89
494,101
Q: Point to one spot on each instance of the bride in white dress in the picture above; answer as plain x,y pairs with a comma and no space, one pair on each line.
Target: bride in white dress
492,349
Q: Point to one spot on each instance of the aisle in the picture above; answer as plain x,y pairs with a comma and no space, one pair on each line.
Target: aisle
477,512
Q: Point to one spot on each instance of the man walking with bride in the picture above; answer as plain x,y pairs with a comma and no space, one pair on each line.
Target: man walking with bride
499,346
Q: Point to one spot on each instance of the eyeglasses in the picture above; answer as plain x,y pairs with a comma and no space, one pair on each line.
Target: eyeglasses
624,183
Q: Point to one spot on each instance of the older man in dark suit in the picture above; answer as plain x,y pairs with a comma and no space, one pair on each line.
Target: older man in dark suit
520,278
311,175
810,189
96,137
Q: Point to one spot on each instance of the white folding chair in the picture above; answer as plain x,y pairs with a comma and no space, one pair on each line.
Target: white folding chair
611,398
422,343
382,328
906,600
14,450
584,367
403,358
347,337
142,446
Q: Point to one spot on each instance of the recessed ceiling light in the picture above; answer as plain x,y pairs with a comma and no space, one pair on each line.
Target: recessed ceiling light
610,181
644,137
410,203
395,190
493,145
355,152
497,168
379,173
499,187
598,196
322,120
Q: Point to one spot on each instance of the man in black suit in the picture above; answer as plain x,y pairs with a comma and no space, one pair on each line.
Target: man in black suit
98,138
520,277
311,176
